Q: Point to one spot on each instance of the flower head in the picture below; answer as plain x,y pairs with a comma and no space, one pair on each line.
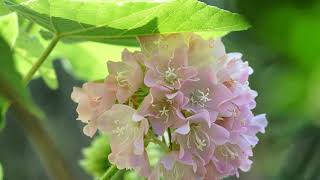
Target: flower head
93,99
196,98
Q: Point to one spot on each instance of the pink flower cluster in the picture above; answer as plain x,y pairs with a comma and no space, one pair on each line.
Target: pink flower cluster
186,89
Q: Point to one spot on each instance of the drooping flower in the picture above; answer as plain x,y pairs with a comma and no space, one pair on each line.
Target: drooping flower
163,109
125,77
228,158
169,71
174,168
199,136
93,99
127,137
234,155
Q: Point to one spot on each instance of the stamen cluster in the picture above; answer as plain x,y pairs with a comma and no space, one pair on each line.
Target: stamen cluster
184,93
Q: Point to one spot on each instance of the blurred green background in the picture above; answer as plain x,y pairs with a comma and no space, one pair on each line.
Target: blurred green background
283,47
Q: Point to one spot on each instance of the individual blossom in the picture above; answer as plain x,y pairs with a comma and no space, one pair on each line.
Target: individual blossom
232,68
169,71
204,94
163,44
93,99
125,77
163,109
174,168
127,133
199,136
228,158
202,53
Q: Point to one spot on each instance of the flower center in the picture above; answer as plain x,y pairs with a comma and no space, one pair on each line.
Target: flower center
200,98
122,79
228,152
170,76
200,139
119,130
164,112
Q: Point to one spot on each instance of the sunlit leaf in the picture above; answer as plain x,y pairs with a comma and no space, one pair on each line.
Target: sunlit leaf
9,29
113,20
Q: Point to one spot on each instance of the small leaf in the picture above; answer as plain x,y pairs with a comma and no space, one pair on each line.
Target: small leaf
117,21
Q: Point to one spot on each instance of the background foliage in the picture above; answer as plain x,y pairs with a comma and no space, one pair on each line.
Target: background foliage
282,47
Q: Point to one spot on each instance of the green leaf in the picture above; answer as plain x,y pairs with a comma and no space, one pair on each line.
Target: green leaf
1,172
9,29
112,21
3,10
27,49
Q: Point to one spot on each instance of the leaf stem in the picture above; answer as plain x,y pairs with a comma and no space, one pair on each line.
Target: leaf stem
112,170
41,59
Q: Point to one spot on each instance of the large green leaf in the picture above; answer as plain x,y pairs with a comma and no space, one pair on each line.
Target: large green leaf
111,20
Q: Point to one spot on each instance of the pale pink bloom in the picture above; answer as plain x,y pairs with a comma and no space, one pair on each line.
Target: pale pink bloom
169,71
203,53
126,132
228,158
125,77
163,109
93,99
199,136
163,44
232,68
172,167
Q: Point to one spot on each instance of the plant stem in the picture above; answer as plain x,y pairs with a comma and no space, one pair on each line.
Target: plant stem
50,156
110,172
170,138
41,59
